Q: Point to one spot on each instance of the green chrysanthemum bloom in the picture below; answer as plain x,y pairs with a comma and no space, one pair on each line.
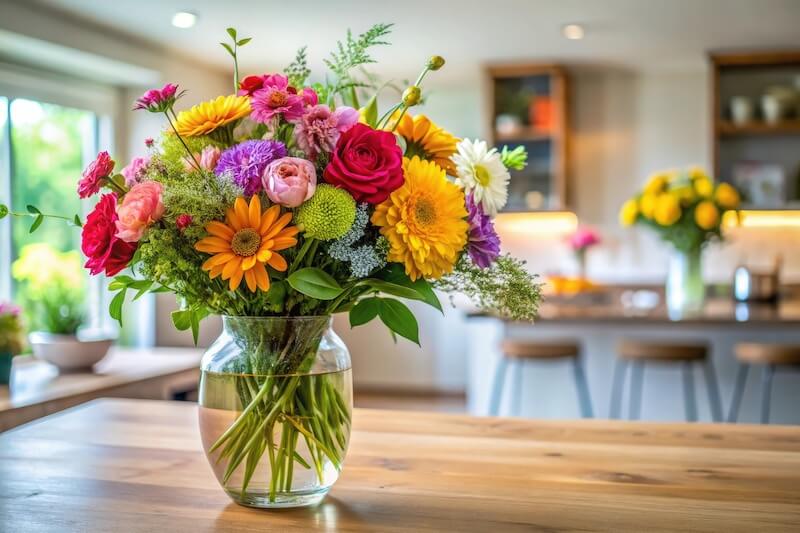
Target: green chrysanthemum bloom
328,215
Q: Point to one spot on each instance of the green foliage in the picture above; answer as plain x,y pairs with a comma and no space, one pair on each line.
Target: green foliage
11,334
516,159
352,53
393,313
395,274
315,283
505,288
297,71
170,164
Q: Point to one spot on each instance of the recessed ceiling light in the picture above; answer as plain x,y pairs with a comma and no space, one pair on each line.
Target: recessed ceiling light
573,31
184,19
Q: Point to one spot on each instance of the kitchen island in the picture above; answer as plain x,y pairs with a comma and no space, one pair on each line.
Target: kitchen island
133,465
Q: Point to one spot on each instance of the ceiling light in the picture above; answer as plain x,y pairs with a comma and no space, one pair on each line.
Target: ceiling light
184,19
572,31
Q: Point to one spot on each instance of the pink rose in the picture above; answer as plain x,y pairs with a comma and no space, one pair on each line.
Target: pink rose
135,170
95,173
289,181
140,207
209,157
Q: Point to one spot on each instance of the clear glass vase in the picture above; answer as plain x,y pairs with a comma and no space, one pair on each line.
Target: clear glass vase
275,406
685,291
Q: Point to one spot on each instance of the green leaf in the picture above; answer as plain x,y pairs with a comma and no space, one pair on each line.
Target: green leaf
77,221
399,319
32,209
231,32
120,282
393,289
115,307
182,319
244,41
364,311
371,111
197,315
394,273
315,283
36,223
227,47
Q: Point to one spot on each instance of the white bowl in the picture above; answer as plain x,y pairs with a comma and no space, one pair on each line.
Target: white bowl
68,352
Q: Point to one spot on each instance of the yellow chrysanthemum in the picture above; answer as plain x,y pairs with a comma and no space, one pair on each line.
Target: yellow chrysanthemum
629,213
656,183
424,221
706,215
247,241
727,196
647,204
208,116
426,140
667,210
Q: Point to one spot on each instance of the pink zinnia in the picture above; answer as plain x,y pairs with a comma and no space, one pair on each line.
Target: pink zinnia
276,99
95,173
319,129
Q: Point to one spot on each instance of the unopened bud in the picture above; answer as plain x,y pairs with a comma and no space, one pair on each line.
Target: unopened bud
435,62
411,96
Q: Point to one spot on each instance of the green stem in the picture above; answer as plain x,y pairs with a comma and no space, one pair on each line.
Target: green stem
299,257
194,159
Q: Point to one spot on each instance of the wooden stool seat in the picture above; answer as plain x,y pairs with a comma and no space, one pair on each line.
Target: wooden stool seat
768,353
540,349
661,351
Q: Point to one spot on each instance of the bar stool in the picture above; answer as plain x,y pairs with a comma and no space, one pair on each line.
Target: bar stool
772,357
521,351
638,353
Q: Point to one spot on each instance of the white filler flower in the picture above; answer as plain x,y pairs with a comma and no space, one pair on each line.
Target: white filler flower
481,172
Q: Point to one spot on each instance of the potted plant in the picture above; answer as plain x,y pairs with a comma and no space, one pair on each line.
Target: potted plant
11,342
53,287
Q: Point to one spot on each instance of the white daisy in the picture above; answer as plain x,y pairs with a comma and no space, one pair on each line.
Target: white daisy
481,172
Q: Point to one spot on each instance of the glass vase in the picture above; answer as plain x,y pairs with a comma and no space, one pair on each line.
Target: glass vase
685,291
274,409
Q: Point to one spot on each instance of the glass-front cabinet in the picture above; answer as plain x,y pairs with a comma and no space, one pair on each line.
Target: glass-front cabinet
528,107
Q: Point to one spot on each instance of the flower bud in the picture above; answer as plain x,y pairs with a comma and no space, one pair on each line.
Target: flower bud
3,211
435,62
412,96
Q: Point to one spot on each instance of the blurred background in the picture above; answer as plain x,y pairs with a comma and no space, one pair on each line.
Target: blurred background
602,93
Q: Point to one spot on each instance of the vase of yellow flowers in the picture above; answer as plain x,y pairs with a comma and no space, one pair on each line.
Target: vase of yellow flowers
685,207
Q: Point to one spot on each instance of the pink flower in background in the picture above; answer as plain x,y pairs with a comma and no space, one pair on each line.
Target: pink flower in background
289,181
148,142
158,100
209,157
95,173
183,221
583,238
135,170
276,99
140,207
319,129
310,97
7,308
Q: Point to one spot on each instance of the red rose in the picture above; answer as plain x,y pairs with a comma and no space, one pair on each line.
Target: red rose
367,163
250,84
99,242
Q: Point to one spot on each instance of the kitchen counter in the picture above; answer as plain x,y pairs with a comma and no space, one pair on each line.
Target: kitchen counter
126,465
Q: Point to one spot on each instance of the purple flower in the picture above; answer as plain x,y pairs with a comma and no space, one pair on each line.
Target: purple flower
483,244
159,100
244,163
319,129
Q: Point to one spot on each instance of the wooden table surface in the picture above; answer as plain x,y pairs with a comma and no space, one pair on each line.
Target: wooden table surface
38,389
133,465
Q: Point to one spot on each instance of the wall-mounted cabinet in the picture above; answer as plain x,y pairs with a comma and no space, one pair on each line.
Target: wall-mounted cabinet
756,126
528,106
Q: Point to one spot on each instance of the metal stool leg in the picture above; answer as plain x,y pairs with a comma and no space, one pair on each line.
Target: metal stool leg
738,392
713,391
617,387
688,392
637,381
766,392
516,407
497,387
583,388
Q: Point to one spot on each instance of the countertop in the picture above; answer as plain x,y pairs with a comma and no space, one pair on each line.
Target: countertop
127,465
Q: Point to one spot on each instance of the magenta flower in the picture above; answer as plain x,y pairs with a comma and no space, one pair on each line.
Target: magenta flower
8,308
148,142
289,181
158,101
583,238
97,171
244,163
319,129
483,243
310,97
183,221
135,170
276,99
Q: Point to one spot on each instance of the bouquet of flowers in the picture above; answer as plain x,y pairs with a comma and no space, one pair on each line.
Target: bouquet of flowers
685,207
288,198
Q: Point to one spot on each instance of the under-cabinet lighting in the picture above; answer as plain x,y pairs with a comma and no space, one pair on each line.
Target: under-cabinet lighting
761,219
551,222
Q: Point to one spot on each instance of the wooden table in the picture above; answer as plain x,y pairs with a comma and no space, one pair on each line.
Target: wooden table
125,465
38,389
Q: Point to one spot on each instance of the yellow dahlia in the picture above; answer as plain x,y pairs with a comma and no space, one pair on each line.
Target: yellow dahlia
208,116
424,221
246,242
426,140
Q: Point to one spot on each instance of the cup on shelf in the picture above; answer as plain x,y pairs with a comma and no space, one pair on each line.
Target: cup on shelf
741,110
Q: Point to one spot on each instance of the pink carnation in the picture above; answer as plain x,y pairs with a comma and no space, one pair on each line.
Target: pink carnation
135,170
583,238
289,181
319,129
95,173
140,207
276,99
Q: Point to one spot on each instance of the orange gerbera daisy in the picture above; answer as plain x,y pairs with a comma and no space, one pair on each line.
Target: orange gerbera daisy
426,140
246,242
